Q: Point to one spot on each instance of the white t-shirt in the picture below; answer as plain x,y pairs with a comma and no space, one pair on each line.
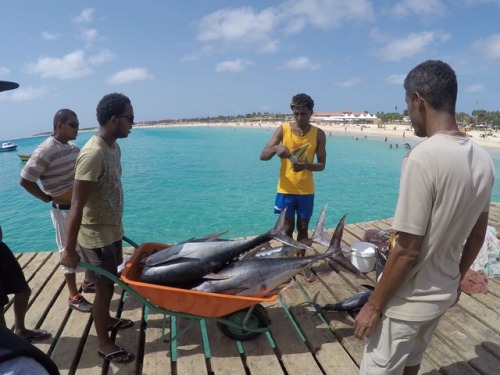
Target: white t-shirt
446,183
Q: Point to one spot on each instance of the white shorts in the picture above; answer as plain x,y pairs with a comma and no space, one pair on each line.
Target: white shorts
395,344
60,219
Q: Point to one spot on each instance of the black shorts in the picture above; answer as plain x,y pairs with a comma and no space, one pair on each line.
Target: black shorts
108,257
12,278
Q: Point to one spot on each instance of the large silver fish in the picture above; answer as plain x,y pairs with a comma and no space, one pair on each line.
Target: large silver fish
321,237
286,251
264,277
189,262
352,303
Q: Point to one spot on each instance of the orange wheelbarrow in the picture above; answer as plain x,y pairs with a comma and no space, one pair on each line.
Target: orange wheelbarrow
238,317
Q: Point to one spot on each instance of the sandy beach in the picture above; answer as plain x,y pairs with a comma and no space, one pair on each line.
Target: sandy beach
395,133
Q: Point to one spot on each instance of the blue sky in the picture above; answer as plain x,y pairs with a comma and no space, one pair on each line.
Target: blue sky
194,58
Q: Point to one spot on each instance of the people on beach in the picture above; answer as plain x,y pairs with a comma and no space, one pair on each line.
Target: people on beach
441,216
296,144
95,217
12,281
53,163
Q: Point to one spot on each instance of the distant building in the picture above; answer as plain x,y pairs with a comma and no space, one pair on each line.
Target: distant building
344,117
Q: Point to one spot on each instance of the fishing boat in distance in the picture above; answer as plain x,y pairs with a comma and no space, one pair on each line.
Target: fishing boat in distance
8,146
24,157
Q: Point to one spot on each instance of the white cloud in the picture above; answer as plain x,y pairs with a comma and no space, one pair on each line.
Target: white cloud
301,63
89,35
50,36
101,57
242,25
324,14
411,45
396,79
25,94
488,48
405,8
129,75
351,82
477,88
72,65
232,66
85,16
263,30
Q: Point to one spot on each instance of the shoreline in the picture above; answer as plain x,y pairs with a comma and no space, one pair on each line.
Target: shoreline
395,133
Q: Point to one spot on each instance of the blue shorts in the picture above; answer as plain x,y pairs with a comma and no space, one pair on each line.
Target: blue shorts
300,204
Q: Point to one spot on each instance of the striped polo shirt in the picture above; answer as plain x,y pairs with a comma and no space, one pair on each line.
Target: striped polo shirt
53,163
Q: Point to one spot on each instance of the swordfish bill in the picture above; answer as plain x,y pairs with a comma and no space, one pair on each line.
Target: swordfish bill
188,262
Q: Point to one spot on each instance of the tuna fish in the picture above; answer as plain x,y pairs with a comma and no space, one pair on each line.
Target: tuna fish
285,251
264,277
188,262
352,303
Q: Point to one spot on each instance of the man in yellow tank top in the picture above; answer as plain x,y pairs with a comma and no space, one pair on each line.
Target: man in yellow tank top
296,144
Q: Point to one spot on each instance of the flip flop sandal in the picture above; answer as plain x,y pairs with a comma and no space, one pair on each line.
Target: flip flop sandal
37,335
121,324
115,356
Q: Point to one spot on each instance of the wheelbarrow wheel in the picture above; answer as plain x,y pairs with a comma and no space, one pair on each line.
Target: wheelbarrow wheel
257,319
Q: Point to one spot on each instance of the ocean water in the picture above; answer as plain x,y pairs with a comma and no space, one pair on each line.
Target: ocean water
184,182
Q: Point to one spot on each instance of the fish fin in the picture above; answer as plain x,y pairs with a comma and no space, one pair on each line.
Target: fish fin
282,237
369,287
252,252
216,276
213,236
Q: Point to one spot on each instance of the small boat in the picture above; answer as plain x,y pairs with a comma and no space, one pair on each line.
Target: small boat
24,157
8,146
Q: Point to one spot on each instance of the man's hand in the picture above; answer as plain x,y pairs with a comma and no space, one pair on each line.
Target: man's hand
299,165
364,322
282,151
69,259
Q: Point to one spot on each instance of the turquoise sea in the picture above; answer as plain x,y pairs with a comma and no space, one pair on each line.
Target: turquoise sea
184,182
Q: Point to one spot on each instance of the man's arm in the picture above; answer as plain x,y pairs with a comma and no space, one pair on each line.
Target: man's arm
273,147
81,194
402,258
34,189
473,244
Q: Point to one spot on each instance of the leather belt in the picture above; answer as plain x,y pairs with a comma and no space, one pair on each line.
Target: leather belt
61,206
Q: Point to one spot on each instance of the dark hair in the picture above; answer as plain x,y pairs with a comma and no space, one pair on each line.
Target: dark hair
111,105
62,116
302,100
436,82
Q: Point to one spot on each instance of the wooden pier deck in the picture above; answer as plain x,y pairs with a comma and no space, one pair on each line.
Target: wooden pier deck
467,340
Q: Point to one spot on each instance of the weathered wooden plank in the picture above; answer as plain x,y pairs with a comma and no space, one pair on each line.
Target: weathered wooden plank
260,357
157,353
466,344
478,313
191,356
321,340
128,338
292,351
226,359
445,358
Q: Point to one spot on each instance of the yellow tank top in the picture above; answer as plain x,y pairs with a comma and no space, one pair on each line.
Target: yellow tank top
291,182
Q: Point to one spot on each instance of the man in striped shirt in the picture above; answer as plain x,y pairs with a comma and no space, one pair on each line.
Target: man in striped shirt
53,163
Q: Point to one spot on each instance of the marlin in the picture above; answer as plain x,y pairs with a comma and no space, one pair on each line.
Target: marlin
189,262
352,303
265,277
